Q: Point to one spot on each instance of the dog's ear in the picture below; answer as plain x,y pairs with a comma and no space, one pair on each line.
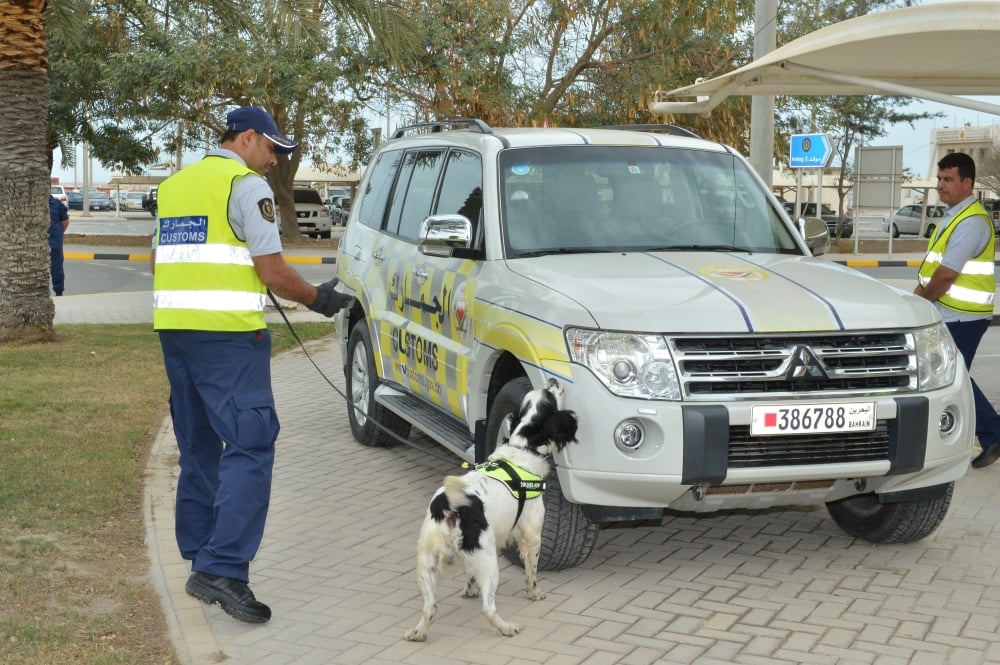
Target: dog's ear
560,428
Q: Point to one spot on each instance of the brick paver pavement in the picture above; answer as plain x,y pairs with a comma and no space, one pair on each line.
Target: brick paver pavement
772,587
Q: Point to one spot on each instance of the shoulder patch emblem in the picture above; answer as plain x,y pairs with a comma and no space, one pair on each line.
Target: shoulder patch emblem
266,209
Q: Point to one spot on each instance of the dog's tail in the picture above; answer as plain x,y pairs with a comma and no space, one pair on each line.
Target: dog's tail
471,513
454,489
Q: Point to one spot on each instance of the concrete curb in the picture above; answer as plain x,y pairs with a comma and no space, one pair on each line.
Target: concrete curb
190,629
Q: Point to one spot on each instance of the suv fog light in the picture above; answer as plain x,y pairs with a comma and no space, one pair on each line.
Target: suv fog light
629,435
946,422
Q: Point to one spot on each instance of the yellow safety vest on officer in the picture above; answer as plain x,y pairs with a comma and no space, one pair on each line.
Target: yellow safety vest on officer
205,277
974,288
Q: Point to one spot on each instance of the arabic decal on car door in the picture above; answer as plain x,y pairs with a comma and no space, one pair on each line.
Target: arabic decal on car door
449,284
413,356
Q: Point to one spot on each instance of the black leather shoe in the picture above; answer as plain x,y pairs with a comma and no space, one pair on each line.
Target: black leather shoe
989,455
233,596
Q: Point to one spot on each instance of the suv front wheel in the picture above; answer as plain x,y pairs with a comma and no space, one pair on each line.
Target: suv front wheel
865,517
568,535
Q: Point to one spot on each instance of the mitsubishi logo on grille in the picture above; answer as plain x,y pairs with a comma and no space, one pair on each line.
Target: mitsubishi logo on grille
805,365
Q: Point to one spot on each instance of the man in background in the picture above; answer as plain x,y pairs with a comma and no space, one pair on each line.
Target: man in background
957,275
58,223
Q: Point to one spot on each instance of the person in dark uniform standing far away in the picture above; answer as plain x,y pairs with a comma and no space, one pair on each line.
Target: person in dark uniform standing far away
216,252
957,275
58,223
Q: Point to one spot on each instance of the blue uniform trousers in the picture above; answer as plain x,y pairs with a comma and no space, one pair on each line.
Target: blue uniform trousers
56,260
224,419
967,335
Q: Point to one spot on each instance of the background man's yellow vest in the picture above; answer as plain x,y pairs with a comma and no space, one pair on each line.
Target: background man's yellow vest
204,278
975,287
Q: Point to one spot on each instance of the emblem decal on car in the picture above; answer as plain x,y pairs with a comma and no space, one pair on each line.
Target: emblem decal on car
730,272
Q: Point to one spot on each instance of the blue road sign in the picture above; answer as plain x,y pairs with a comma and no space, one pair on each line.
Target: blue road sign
812,151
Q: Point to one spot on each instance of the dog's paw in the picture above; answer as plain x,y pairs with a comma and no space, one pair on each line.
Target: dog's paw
414,635
557,391
536,594
510,629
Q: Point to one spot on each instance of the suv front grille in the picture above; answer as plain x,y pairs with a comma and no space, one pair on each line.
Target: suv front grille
747,451
749,367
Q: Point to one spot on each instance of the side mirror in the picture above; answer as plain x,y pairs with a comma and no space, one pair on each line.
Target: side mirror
441,235
815,233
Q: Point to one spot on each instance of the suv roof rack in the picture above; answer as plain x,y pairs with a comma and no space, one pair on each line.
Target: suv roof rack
662,128
443,125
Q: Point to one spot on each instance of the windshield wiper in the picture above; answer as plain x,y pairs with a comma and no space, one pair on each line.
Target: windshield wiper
698,248
563,250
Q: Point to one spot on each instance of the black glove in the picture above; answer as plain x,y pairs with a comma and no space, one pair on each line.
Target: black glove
328,302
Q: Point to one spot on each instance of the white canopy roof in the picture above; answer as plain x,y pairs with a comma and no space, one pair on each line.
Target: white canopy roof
932,52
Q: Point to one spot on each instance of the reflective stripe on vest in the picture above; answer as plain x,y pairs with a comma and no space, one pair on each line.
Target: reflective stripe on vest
975,287
204,278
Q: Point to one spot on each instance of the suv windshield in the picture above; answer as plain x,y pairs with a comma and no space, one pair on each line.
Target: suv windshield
307,196
614,198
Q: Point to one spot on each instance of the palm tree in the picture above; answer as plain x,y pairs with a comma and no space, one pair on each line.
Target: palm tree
26,310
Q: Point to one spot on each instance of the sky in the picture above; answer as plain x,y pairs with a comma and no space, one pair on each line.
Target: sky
915,140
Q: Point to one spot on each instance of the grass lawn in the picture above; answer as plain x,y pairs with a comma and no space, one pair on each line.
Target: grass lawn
77,418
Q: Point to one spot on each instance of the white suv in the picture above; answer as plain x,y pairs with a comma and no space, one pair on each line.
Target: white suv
313,215
712,361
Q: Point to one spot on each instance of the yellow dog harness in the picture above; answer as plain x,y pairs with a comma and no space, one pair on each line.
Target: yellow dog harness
522,484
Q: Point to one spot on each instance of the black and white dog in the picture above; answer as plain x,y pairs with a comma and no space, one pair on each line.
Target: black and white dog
473,515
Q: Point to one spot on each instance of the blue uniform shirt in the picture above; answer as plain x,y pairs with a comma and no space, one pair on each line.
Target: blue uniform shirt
58,213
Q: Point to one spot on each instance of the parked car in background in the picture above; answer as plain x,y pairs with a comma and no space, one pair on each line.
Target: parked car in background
340,209
98,201
59,192
993,207
906,220
313,215
334,192
133,201
826,213
149,201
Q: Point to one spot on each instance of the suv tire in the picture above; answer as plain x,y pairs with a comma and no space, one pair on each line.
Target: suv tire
886,523
363,411
568,535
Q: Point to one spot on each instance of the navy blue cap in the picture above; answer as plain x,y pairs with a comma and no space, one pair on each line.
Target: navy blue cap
259,120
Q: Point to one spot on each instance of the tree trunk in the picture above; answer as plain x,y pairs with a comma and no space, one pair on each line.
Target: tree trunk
26,309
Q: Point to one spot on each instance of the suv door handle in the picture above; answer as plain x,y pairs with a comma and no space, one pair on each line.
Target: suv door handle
420,273
378,256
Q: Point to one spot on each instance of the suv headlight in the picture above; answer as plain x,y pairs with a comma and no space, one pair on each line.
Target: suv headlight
630,365
937,357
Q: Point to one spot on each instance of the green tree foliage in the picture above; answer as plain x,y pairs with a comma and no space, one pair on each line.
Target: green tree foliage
183,72
79,107
569,62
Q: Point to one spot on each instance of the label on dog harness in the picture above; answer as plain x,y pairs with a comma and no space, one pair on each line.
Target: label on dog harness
522,484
